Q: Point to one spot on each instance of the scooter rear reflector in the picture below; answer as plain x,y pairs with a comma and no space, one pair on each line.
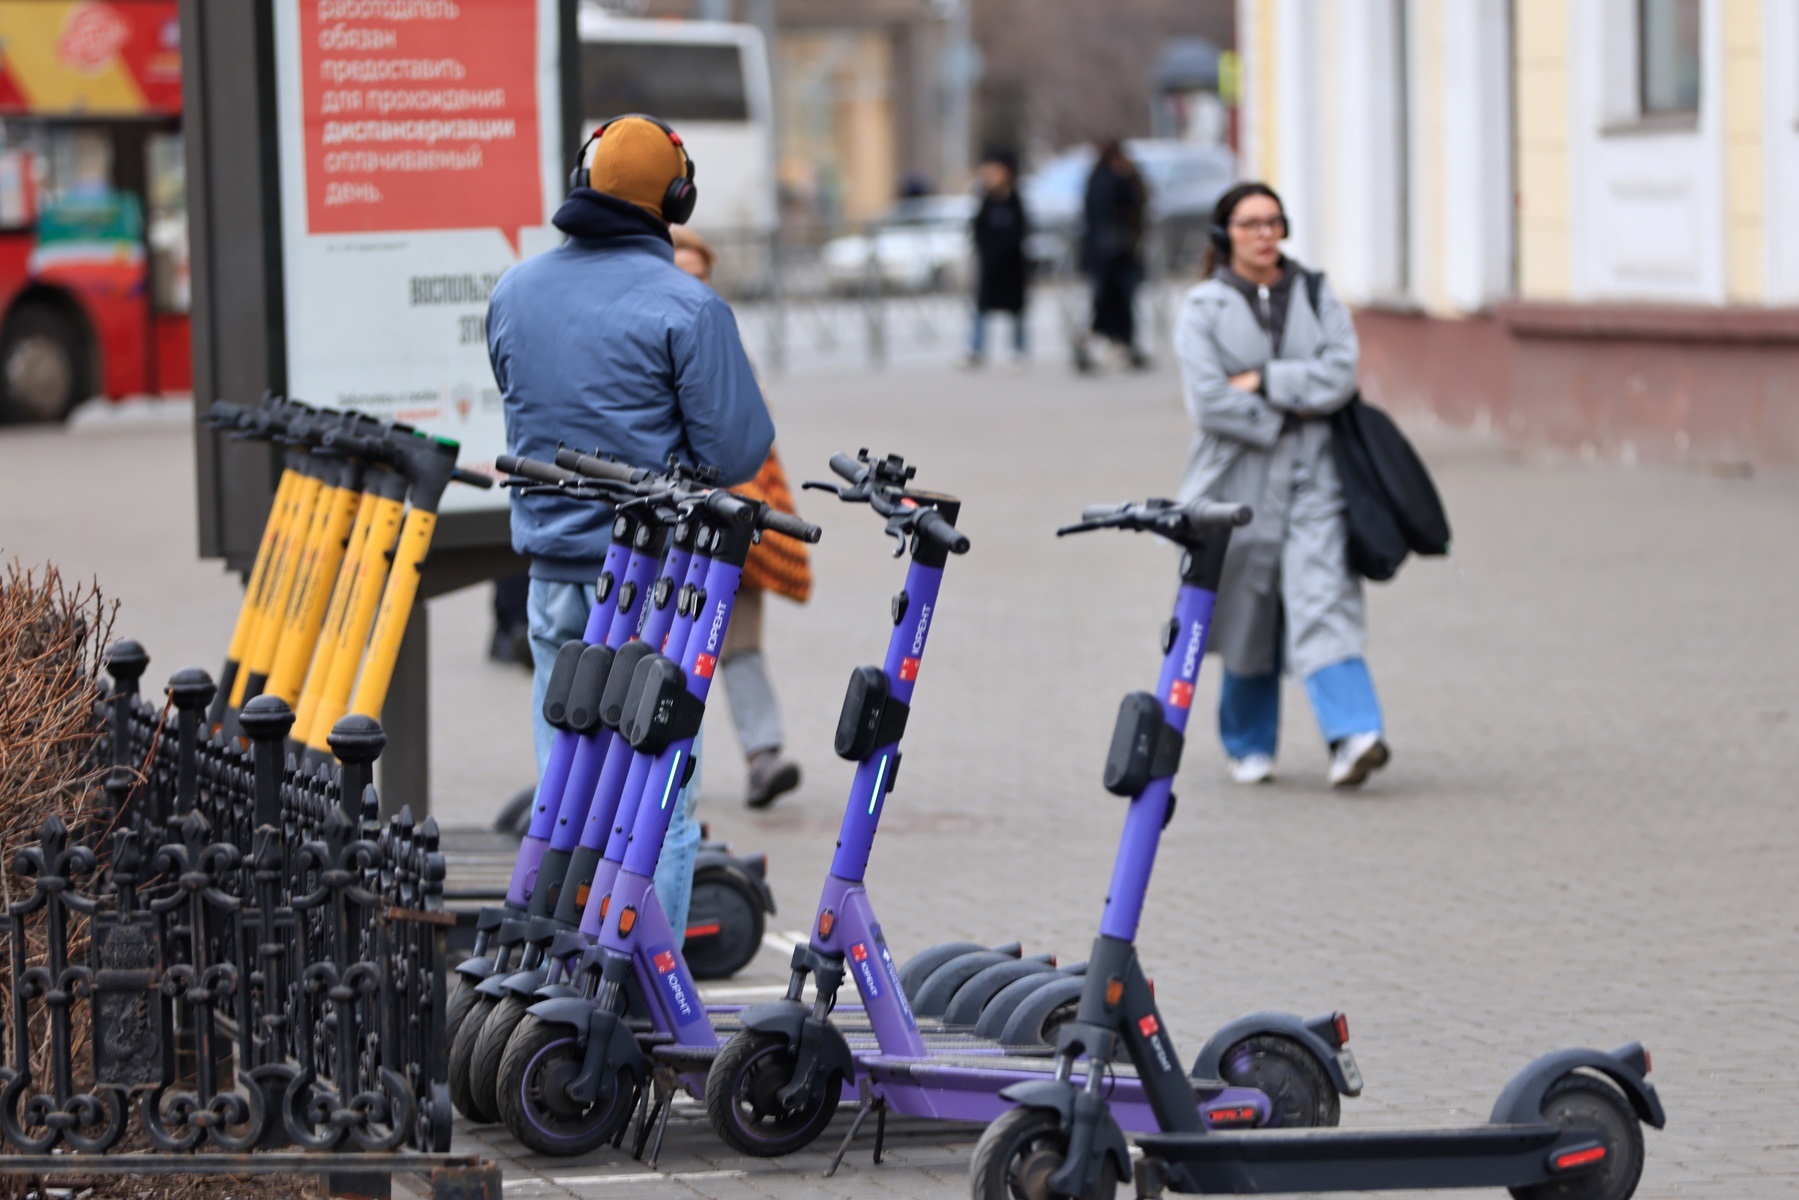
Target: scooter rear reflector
1578,1158
1341,1022
1233,1117
627,920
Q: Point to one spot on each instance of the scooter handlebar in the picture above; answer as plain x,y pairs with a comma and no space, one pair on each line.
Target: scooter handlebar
933,527
1210,514
848,468
473,478
786,523
597,468
530,468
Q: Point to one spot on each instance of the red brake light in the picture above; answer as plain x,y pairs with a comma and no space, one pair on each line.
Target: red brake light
1579,1158
1648,1063
1341,1021
700,931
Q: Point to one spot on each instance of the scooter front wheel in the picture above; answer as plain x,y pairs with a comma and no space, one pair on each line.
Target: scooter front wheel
1592,1106
490,1048
468,1099
456,1009
742,1097
541,1061
1300,1093
1018,1153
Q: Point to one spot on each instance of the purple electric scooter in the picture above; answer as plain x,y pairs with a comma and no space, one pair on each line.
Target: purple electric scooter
648,517
1565,1128
769,1093
552,1090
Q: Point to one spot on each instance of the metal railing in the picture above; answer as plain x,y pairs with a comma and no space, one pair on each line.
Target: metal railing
234,955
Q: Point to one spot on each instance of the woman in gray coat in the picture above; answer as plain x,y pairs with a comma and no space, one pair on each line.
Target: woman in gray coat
1261,372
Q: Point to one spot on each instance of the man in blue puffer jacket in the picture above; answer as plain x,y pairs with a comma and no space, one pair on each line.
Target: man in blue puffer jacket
605,344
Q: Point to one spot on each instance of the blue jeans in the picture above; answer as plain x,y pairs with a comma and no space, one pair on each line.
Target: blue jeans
558,613
977,335
1342,696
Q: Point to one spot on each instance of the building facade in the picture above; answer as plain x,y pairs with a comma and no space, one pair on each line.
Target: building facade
1574,220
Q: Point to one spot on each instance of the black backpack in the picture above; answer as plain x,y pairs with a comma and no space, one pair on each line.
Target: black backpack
1390,504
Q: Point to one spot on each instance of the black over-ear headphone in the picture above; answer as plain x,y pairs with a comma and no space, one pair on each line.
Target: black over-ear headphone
1221,236
680,197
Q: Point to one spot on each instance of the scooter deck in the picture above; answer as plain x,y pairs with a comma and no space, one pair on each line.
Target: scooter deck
956,1085
961,1047
1340,1160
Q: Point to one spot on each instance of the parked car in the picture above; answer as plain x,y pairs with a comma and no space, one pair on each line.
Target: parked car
922,245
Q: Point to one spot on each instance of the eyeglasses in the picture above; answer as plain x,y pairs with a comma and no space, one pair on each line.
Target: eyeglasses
1266,225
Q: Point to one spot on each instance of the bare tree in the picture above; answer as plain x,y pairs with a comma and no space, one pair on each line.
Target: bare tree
1060,72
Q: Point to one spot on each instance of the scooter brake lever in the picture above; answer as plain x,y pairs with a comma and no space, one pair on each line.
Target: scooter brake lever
897,529
818,485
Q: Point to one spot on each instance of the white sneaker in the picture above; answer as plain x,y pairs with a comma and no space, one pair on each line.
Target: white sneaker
1357,757
1253,768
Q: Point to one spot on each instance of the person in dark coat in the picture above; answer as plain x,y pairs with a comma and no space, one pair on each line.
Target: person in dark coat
1111,240
1000,229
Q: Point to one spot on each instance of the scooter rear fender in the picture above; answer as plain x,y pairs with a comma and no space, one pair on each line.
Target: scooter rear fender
1521,1103
1278,1024
1060,1098
718,860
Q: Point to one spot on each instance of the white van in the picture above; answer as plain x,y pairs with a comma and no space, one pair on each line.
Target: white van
710,81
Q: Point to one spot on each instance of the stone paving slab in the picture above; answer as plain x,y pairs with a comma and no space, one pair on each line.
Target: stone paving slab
1587,835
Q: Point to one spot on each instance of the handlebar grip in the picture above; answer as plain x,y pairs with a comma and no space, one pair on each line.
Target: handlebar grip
848,468
1099,512
779,522
472,478
596,468
530,468
1210,513
931,525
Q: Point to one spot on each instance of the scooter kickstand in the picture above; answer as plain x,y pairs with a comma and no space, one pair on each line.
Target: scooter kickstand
635,1123
665,1106
870,1103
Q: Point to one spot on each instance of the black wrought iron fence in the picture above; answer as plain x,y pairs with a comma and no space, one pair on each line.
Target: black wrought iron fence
234,955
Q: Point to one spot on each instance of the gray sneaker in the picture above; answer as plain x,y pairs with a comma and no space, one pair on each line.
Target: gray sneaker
1356,757
771,776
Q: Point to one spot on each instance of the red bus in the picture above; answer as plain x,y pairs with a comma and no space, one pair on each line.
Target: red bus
93,214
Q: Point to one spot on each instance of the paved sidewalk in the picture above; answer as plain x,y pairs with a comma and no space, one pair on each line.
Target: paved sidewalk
1587,835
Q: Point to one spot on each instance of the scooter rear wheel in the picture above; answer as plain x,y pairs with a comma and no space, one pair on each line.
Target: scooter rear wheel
741,1097
1018,1153
540,1063
1592,1106
724,926
1286,1072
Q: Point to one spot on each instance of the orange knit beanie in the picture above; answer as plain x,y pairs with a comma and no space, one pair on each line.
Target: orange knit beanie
635,160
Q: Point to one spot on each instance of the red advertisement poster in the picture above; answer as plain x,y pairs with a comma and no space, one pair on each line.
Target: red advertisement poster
420,114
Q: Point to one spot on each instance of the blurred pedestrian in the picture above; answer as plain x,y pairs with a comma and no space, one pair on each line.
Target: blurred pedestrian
776,564
1002,269
1111,253
1262,369
605,344
511,621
